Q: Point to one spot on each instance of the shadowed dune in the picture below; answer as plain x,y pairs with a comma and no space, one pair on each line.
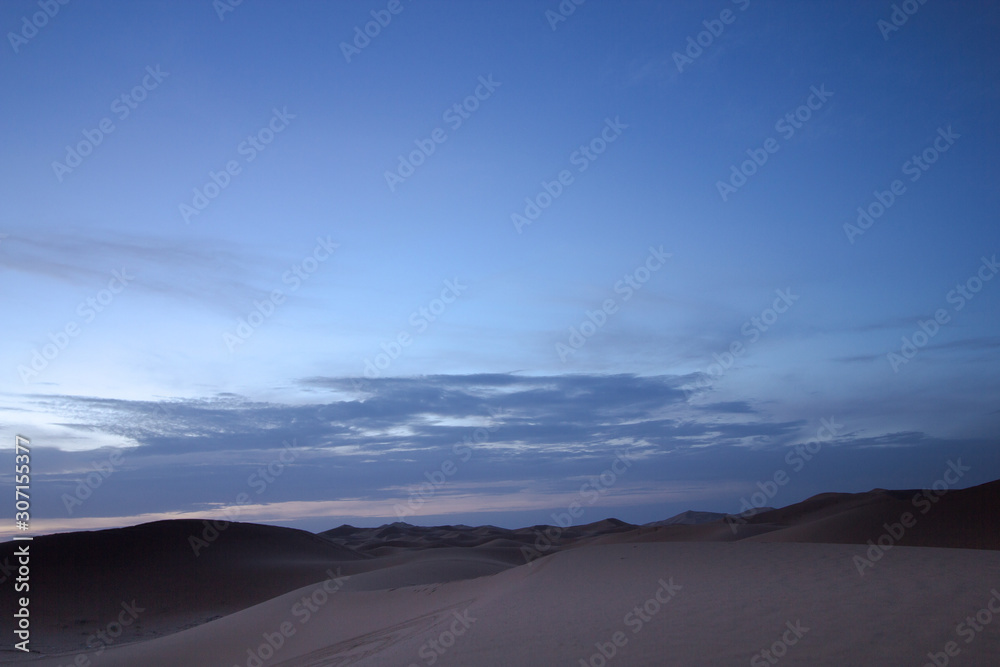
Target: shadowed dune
666,603
959,519
81,579
539,595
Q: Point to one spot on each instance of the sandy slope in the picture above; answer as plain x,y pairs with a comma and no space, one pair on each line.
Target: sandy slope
729,601
82,579
961,518
458,595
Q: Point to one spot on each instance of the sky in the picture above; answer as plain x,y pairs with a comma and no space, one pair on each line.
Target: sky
315,263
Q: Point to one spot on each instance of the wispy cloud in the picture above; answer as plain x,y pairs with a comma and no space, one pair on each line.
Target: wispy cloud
198,270
529,443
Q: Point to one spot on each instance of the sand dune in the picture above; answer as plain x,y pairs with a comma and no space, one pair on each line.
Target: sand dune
698,604
81,579
694,518
802,581
960,518
964,518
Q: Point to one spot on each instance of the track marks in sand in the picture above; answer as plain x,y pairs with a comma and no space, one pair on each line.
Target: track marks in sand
352,650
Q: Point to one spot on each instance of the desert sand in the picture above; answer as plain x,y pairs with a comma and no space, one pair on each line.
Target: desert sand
839,579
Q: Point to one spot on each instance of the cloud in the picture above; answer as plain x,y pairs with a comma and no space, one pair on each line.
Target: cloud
984,343
734,407
859,358
512,443
544,419
197,270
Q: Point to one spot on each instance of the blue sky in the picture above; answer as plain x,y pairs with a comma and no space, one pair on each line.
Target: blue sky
202,255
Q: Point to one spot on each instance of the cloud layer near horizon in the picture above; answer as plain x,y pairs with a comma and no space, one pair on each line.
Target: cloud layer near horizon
461,449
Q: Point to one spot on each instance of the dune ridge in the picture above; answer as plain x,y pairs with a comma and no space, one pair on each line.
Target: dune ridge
397,593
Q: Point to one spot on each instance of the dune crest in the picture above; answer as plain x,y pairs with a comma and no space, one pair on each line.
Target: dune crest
251,595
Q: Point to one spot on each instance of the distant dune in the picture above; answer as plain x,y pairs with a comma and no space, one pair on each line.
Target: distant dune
693,518
958,519
876,578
